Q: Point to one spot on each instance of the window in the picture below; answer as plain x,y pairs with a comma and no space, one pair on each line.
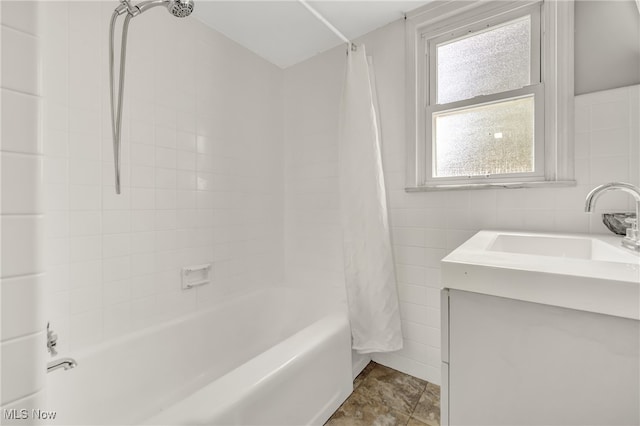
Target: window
485,106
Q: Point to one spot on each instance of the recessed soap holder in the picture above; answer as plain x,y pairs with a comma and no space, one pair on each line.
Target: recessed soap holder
196,275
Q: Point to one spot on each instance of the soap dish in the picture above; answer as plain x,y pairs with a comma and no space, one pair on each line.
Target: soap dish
618,222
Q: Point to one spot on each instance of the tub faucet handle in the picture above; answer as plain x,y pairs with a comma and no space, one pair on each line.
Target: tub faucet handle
52,341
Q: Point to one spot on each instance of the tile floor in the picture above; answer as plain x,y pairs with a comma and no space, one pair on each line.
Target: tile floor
386,397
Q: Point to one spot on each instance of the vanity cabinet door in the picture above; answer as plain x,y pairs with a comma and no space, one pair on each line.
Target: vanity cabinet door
521,363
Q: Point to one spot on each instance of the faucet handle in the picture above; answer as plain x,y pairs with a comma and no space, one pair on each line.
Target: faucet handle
52,341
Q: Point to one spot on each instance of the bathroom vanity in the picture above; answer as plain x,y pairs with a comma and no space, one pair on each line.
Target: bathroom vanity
540,329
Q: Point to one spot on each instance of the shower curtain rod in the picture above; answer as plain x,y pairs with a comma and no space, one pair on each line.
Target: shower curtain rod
328,24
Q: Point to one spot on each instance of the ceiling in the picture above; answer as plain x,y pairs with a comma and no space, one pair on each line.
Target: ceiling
285,33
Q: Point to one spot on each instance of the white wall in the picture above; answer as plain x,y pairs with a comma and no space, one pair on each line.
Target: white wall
202,172
427,226
22,335
607,45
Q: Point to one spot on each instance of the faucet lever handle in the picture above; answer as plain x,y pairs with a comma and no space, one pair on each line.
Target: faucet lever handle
52,341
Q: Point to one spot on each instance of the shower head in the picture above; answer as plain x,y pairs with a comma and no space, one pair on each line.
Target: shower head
178,8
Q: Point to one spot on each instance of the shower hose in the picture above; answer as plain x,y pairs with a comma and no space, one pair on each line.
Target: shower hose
116,102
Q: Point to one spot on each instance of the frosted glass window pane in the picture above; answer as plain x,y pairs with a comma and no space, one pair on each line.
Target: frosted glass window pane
485,140
492,61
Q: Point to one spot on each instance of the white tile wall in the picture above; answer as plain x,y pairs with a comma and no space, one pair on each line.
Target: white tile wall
427,226
113,260
20,122
19,357
18,294
22,338
22,72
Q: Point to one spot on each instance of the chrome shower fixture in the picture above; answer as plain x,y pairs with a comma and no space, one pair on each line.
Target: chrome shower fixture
179,9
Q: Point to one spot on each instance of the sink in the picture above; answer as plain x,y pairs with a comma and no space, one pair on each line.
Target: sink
561,246
579,271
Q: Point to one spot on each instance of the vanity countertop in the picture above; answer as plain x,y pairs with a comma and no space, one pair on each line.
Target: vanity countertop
587,272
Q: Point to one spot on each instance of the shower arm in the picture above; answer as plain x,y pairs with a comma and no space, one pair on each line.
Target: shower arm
143,6
125,6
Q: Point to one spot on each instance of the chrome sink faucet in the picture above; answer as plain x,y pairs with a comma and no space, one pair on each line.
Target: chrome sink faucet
632,239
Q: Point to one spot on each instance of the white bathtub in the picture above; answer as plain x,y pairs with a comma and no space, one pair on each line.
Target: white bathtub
271,357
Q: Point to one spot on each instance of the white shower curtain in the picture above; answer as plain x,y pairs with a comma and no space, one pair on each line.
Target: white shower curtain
368,260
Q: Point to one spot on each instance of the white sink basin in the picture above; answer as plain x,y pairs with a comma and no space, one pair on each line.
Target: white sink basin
561,246
586,272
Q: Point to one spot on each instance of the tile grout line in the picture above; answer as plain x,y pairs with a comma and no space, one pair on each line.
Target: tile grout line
413,410
416,406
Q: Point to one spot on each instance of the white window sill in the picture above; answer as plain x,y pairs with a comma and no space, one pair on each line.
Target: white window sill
494,185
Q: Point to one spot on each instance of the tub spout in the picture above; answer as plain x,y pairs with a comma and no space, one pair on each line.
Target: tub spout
66,363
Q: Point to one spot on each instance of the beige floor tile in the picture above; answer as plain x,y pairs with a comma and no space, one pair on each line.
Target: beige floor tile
360,410
414,422
383,396
428,409
363,374
388,387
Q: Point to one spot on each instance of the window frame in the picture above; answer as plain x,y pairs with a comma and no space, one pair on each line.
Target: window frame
535,87
551,85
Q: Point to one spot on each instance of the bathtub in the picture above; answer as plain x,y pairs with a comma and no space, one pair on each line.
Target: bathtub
271,357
